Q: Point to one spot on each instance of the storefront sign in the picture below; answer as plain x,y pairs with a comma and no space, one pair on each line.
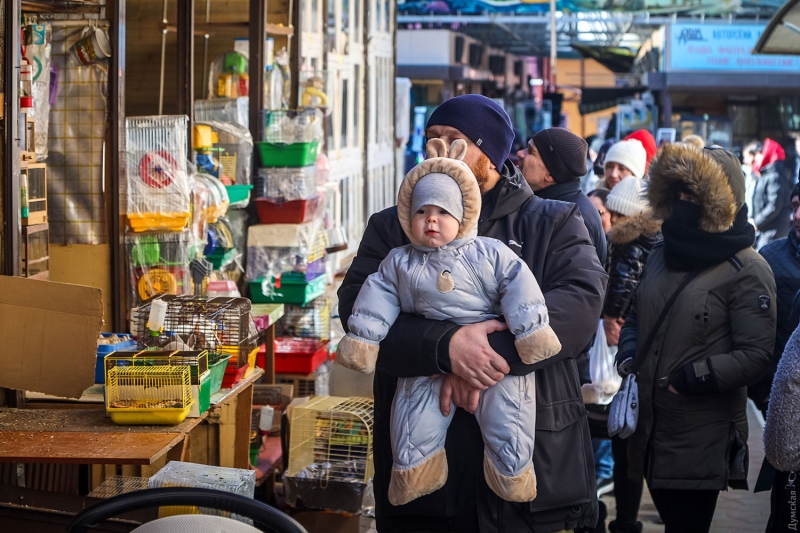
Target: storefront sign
723,47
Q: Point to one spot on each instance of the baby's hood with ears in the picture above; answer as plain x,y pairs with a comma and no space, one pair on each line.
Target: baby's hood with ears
454,166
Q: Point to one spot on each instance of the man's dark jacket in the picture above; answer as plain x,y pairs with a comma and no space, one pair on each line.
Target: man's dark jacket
552,239
783,257
571,192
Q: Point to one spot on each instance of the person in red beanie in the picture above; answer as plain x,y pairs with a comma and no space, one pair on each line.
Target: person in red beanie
648,141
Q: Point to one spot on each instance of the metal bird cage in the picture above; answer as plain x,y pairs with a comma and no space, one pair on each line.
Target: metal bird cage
219,325
158,184
310,321
289,127
149,394
233,150
330,453
117,485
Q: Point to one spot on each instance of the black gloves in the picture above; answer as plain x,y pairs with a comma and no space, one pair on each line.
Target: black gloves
695,378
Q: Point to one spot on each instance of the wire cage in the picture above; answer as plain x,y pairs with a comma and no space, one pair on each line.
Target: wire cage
33,177
231,110
330,453
315,384
315,88
200,367
117,485
274,249
310,321
158,263
289,127
158,186
219,325
160,395
233,149
286,184
197,361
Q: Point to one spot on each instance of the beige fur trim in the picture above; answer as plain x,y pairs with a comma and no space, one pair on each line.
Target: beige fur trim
357,355
538,346
677,164
631,228
520,488
411,483
435,148
459,171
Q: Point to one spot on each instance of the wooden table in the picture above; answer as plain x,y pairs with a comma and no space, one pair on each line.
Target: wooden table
86,436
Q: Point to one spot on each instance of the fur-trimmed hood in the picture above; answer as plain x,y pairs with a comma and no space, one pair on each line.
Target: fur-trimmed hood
454,166
714,176
631,228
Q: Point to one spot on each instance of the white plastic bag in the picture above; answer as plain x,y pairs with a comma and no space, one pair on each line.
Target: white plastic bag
605,379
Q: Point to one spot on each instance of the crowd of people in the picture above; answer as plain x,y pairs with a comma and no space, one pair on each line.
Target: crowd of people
678,264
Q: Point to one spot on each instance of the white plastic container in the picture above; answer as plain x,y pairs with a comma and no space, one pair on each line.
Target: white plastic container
222,289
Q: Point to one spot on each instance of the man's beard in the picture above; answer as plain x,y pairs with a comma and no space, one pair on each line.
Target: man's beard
482,171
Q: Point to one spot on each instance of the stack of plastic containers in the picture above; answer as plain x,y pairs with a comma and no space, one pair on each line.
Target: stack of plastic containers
286,258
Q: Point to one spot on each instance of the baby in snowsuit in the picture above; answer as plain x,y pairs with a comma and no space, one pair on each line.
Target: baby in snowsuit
449,273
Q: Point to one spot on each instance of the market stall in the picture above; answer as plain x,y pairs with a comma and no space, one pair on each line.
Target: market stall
211,232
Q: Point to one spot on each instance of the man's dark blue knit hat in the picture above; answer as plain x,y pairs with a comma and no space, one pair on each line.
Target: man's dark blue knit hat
483,121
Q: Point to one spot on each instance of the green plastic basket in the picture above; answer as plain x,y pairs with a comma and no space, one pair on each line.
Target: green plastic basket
292,291
221,257
217,372
238,193
204,399
287,155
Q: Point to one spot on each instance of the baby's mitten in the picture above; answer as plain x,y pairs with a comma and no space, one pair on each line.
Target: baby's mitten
538,346
357,353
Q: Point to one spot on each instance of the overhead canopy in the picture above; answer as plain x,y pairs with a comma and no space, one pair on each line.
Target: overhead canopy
594,100
782,35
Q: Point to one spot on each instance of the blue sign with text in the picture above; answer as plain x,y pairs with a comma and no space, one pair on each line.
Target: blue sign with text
723,47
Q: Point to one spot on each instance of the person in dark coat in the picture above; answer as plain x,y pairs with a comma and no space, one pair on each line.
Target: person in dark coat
553,241
783,257
553,163
691,438
634,234
771,194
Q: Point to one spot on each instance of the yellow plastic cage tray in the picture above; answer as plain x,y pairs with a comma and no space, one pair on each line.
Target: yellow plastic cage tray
158,221
156,395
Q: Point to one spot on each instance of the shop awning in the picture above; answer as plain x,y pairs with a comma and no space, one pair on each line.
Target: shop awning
594,100
782,35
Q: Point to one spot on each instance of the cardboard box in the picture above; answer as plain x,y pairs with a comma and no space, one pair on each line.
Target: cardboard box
48,335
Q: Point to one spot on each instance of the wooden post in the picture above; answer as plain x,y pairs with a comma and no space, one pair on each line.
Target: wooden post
186,64
11,155
116,103
258,37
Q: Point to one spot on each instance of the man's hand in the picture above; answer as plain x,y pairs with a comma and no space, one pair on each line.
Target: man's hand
471,357
456,389
612,327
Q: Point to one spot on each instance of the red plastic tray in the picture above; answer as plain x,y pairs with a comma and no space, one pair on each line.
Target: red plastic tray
294,212
295,355
233,375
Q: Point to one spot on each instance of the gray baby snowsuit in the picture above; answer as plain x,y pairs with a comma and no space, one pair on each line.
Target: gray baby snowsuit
472,279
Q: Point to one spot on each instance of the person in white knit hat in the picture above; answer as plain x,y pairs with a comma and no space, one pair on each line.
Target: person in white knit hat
626,158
